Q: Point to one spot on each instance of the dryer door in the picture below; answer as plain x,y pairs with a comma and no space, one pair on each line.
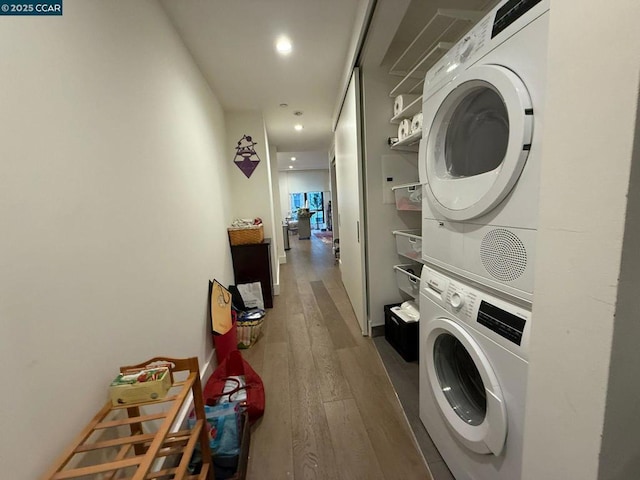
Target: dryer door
479,134
465,387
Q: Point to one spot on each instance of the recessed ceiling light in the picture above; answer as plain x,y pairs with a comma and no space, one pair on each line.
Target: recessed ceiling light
293,159
284,105
283,46
290,166
298,127
297,113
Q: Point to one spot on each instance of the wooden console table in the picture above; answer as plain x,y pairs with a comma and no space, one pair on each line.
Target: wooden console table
136,455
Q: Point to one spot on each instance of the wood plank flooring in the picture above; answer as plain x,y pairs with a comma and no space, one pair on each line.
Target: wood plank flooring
331,411
405,379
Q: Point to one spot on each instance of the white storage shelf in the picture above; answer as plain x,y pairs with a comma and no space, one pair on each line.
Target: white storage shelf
408,196
408,278
408,111
429,45
444,29
409,244
413,81
410,143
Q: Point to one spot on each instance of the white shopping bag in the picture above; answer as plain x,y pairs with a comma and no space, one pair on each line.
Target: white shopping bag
251,294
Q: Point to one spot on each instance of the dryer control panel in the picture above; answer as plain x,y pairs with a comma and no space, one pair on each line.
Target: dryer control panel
481,40
473,45
510,12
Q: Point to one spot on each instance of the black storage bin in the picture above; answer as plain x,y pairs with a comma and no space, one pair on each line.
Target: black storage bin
402,336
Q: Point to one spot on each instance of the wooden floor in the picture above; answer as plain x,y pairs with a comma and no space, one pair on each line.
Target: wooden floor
405,380
331,412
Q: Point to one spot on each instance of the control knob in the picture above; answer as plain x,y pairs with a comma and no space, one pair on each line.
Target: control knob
467,48
456,300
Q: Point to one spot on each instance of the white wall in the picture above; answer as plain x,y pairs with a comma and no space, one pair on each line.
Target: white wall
334,197
588,140
621,434
274,200
382,216
299,181
363,13
277,208
251,196
114,198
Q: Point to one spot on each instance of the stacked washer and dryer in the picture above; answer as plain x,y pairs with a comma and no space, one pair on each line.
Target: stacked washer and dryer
479,164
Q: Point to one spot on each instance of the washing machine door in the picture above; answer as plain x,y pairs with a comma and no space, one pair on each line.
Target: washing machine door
479,135
465,387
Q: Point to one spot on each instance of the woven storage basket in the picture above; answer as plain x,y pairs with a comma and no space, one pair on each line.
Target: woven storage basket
246,235
248,332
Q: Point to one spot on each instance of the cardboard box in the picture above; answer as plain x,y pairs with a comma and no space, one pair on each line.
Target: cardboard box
142,386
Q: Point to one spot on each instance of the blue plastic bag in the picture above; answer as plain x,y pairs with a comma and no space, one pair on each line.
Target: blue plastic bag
223,424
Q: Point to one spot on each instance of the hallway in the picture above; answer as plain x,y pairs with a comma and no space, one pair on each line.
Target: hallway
331,412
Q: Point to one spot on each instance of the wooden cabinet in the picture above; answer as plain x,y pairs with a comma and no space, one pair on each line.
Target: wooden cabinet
125,442
252,263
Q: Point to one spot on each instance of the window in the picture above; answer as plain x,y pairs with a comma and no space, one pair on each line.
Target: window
316,204
314,201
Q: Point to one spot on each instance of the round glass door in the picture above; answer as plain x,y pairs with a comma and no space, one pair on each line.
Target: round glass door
465,387
478,141
478,134
459,379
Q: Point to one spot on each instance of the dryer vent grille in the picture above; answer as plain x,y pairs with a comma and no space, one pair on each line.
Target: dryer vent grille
503,255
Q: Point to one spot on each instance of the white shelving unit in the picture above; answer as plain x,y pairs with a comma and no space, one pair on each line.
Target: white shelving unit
412,82
409,111
430,44
409,144
445,26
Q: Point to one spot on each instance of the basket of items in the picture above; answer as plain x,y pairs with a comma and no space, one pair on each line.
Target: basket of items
246,231
249,307
248,329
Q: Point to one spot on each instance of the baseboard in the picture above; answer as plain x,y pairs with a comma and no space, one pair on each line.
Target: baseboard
181,419
282,259
205,372
377,331
276,289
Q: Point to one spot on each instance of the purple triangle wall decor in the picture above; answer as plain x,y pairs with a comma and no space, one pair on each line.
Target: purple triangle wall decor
246,158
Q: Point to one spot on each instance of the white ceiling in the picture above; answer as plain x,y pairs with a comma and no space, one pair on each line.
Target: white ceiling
233,43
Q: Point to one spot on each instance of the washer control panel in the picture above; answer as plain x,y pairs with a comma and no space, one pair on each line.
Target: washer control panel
434,285
504,322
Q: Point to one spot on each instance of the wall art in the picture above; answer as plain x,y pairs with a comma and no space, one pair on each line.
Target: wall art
246,157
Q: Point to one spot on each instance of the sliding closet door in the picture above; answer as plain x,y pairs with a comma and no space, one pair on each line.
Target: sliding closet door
350,203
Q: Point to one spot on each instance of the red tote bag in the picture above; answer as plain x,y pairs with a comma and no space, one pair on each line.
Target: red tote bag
235,365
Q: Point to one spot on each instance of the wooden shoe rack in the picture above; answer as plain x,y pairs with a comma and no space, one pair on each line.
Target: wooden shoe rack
123,442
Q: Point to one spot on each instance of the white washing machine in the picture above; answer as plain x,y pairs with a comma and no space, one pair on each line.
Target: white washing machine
480,151
473,376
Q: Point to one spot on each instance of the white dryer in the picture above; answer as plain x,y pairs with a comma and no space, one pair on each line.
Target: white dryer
480,151
473,376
